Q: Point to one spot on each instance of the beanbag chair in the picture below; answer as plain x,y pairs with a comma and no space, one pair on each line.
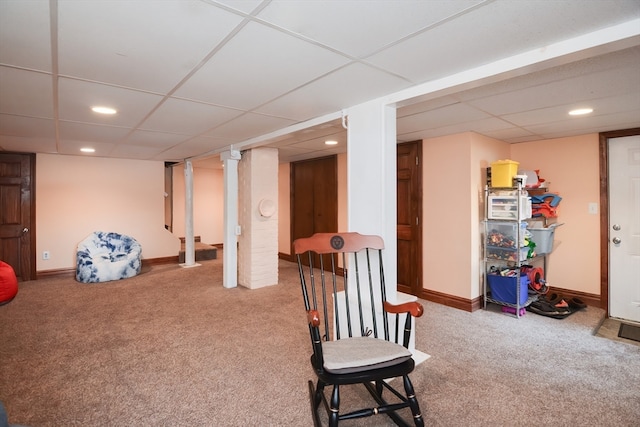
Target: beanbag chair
103,257
8,283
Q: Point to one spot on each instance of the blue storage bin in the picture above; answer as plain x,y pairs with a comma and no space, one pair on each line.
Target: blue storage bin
503,288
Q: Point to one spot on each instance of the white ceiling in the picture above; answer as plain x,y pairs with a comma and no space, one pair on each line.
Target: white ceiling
191,78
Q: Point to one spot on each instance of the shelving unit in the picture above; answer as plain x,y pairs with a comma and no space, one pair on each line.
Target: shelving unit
507,210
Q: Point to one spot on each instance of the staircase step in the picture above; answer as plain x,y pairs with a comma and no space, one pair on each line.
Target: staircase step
203,252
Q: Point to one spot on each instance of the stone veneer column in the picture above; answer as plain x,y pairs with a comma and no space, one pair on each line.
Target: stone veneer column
258,218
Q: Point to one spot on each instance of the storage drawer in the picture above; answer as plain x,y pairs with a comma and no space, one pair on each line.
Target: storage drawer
504,289
506,207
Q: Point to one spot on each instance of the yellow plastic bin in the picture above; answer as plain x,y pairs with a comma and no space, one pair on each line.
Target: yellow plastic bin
503,172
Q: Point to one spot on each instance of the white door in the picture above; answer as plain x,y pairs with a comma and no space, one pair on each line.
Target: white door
624,228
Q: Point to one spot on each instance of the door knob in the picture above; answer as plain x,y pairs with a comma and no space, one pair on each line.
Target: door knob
616,227
24,230
617,240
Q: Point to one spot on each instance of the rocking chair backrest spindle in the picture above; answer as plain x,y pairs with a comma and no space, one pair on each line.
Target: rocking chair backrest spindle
343,288
344,275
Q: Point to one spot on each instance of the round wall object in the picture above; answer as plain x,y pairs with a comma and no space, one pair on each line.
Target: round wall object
267,208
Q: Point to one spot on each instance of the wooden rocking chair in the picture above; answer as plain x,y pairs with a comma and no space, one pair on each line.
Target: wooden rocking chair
342,273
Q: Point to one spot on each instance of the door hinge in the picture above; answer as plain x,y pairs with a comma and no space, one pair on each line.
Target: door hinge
417,221
417,161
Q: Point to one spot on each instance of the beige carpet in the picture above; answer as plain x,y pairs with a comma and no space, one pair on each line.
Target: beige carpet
172,347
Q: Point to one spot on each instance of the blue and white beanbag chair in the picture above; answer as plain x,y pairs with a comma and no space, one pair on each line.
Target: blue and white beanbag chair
103,257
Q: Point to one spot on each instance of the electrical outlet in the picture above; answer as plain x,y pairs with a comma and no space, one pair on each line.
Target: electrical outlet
45,255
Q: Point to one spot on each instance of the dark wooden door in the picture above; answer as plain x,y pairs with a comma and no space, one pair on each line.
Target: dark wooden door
409,229
314,197
17,218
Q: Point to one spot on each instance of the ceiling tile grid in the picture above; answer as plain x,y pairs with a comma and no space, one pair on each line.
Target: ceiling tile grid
145,44
191,77
25,30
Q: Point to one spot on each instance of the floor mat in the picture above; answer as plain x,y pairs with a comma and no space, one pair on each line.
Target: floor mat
629,332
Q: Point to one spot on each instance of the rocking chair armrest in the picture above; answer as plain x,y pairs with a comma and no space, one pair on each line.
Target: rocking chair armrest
413,307
313,317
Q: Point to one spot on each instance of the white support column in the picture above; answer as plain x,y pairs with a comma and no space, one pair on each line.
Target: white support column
189,247
372,187
371,179
231,228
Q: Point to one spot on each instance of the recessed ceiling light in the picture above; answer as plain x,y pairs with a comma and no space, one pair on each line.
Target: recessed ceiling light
103,110
331,142
88,150
580,111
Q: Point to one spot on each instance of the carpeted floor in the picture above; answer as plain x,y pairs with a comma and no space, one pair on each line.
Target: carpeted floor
173,347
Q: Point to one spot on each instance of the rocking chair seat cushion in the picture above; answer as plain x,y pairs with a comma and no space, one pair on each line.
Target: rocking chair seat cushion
358,354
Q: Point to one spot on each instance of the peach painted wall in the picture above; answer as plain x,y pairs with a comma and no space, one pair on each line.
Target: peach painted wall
208,204
445,219
77,195
571,166
484,151
284,208
453,190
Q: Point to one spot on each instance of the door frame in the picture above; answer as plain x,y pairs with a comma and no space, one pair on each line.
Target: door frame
32,213
604,211
417,288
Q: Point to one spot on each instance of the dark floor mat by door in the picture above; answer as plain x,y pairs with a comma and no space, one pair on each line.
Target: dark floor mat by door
629,332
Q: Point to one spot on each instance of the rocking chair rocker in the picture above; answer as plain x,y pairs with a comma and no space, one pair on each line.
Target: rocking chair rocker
350,320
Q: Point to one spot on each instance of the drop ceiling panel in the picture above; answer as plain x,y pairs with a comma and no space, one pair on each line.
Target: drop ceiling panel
131,151
293,152
245,6
193,147
491,127
576,91
28,144
423,106
76,97
449,115
461,44
257,65
26,93
178,69
72,147
318,144
26,126
186,117
587,124
626,58
333,23
149,45
350,85
510,134
90,132
25,34
147,138
247,126
602,106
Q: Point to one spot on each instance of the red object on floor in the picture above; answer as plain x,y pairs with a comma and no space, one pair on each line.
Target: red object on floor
8,283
